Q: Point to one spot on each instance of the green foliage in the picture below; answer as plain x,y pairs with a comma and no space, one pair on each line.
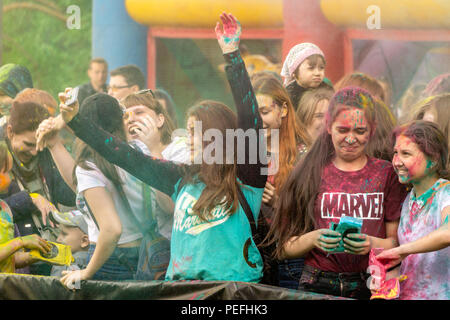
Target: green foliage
56,56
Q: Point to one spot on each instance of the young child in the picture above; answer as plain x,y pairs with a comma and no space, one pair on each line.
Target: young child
420,159
303,69
74,233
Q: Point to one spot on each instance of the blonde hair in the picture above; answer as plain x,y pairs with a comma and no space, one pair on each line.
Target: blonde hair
307,107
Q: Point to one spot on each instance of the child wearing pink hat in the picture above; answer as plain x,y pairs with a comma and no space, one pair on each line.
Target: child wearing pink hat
303,69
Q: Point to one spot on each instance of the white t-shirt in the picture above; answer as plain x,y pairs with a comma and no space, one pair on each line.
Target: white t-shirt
177,151
132,187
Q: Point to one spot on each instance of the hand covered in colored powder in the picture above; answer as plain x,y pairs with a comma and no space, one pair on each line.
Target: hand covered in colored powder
391,257
230,35
326,239
35,242
355,243
383,284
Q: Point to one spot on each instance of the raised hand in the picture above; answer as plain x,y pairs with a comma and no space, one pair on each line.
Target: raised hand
47,133
229,36
269,194
147,131
67,112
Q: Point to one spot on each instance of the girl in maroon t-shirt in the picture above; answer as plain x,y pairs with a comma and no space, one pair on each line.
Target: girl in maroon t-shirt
337,178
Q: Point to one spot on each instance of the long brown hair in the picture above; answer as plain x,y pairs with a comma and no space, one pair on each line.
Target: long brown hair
106,112
291,134
365,81
380,146
307,107
220,179
294,215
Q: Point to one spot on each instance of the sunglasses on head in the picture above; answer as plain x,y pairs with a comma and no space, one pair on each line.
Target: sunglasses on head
144,91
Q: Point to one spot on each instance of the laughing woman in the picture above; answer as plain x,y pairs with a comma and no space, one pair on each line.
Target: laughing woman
420,159
211,237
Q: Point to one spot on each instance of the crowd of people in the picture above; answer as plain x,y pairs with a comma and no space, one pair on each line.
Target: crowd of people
108,170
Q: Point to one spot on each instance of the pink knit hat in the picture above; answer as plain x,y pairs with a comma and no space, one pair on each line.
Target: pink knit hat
295,57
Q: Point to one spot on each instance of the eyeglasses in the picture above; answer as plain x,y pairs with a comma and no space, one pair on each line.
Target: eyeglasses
114,89
144,91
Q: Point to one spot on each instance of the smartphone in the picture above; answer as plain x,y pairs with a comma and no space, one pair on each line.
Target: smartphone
71,96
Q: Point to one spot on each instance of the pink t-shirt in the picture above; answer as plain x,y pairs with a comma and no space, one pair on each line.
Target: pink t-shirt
373,194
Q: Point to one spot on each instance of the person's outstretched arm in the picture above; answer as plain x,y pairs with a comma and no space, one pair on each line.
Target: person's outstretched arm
160,174
62,158
244,99
434,241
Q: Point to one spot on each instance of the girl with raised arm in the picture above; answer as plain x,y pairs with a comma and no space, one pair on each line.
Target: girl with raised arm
211,238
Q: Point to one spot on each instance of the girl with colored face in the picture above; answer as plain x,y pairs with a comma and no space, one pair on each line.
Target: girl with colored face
420,159
411,164
350,133
335,179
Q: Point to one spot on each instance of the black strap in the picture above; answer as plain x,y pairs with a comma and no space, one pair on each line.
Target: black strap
247,210
91,214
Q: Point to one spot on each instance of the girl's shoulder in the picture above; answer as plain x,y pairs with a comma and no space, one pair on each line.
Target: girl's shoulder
86,166
379,165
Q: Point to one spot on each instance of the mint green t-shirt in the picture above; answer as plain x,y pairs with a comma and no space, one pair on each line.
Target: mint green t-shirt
221,248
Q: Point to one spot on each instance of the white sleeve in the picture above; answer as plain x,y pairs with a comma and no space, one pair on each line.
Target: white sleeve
177,151
139,145
88,179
